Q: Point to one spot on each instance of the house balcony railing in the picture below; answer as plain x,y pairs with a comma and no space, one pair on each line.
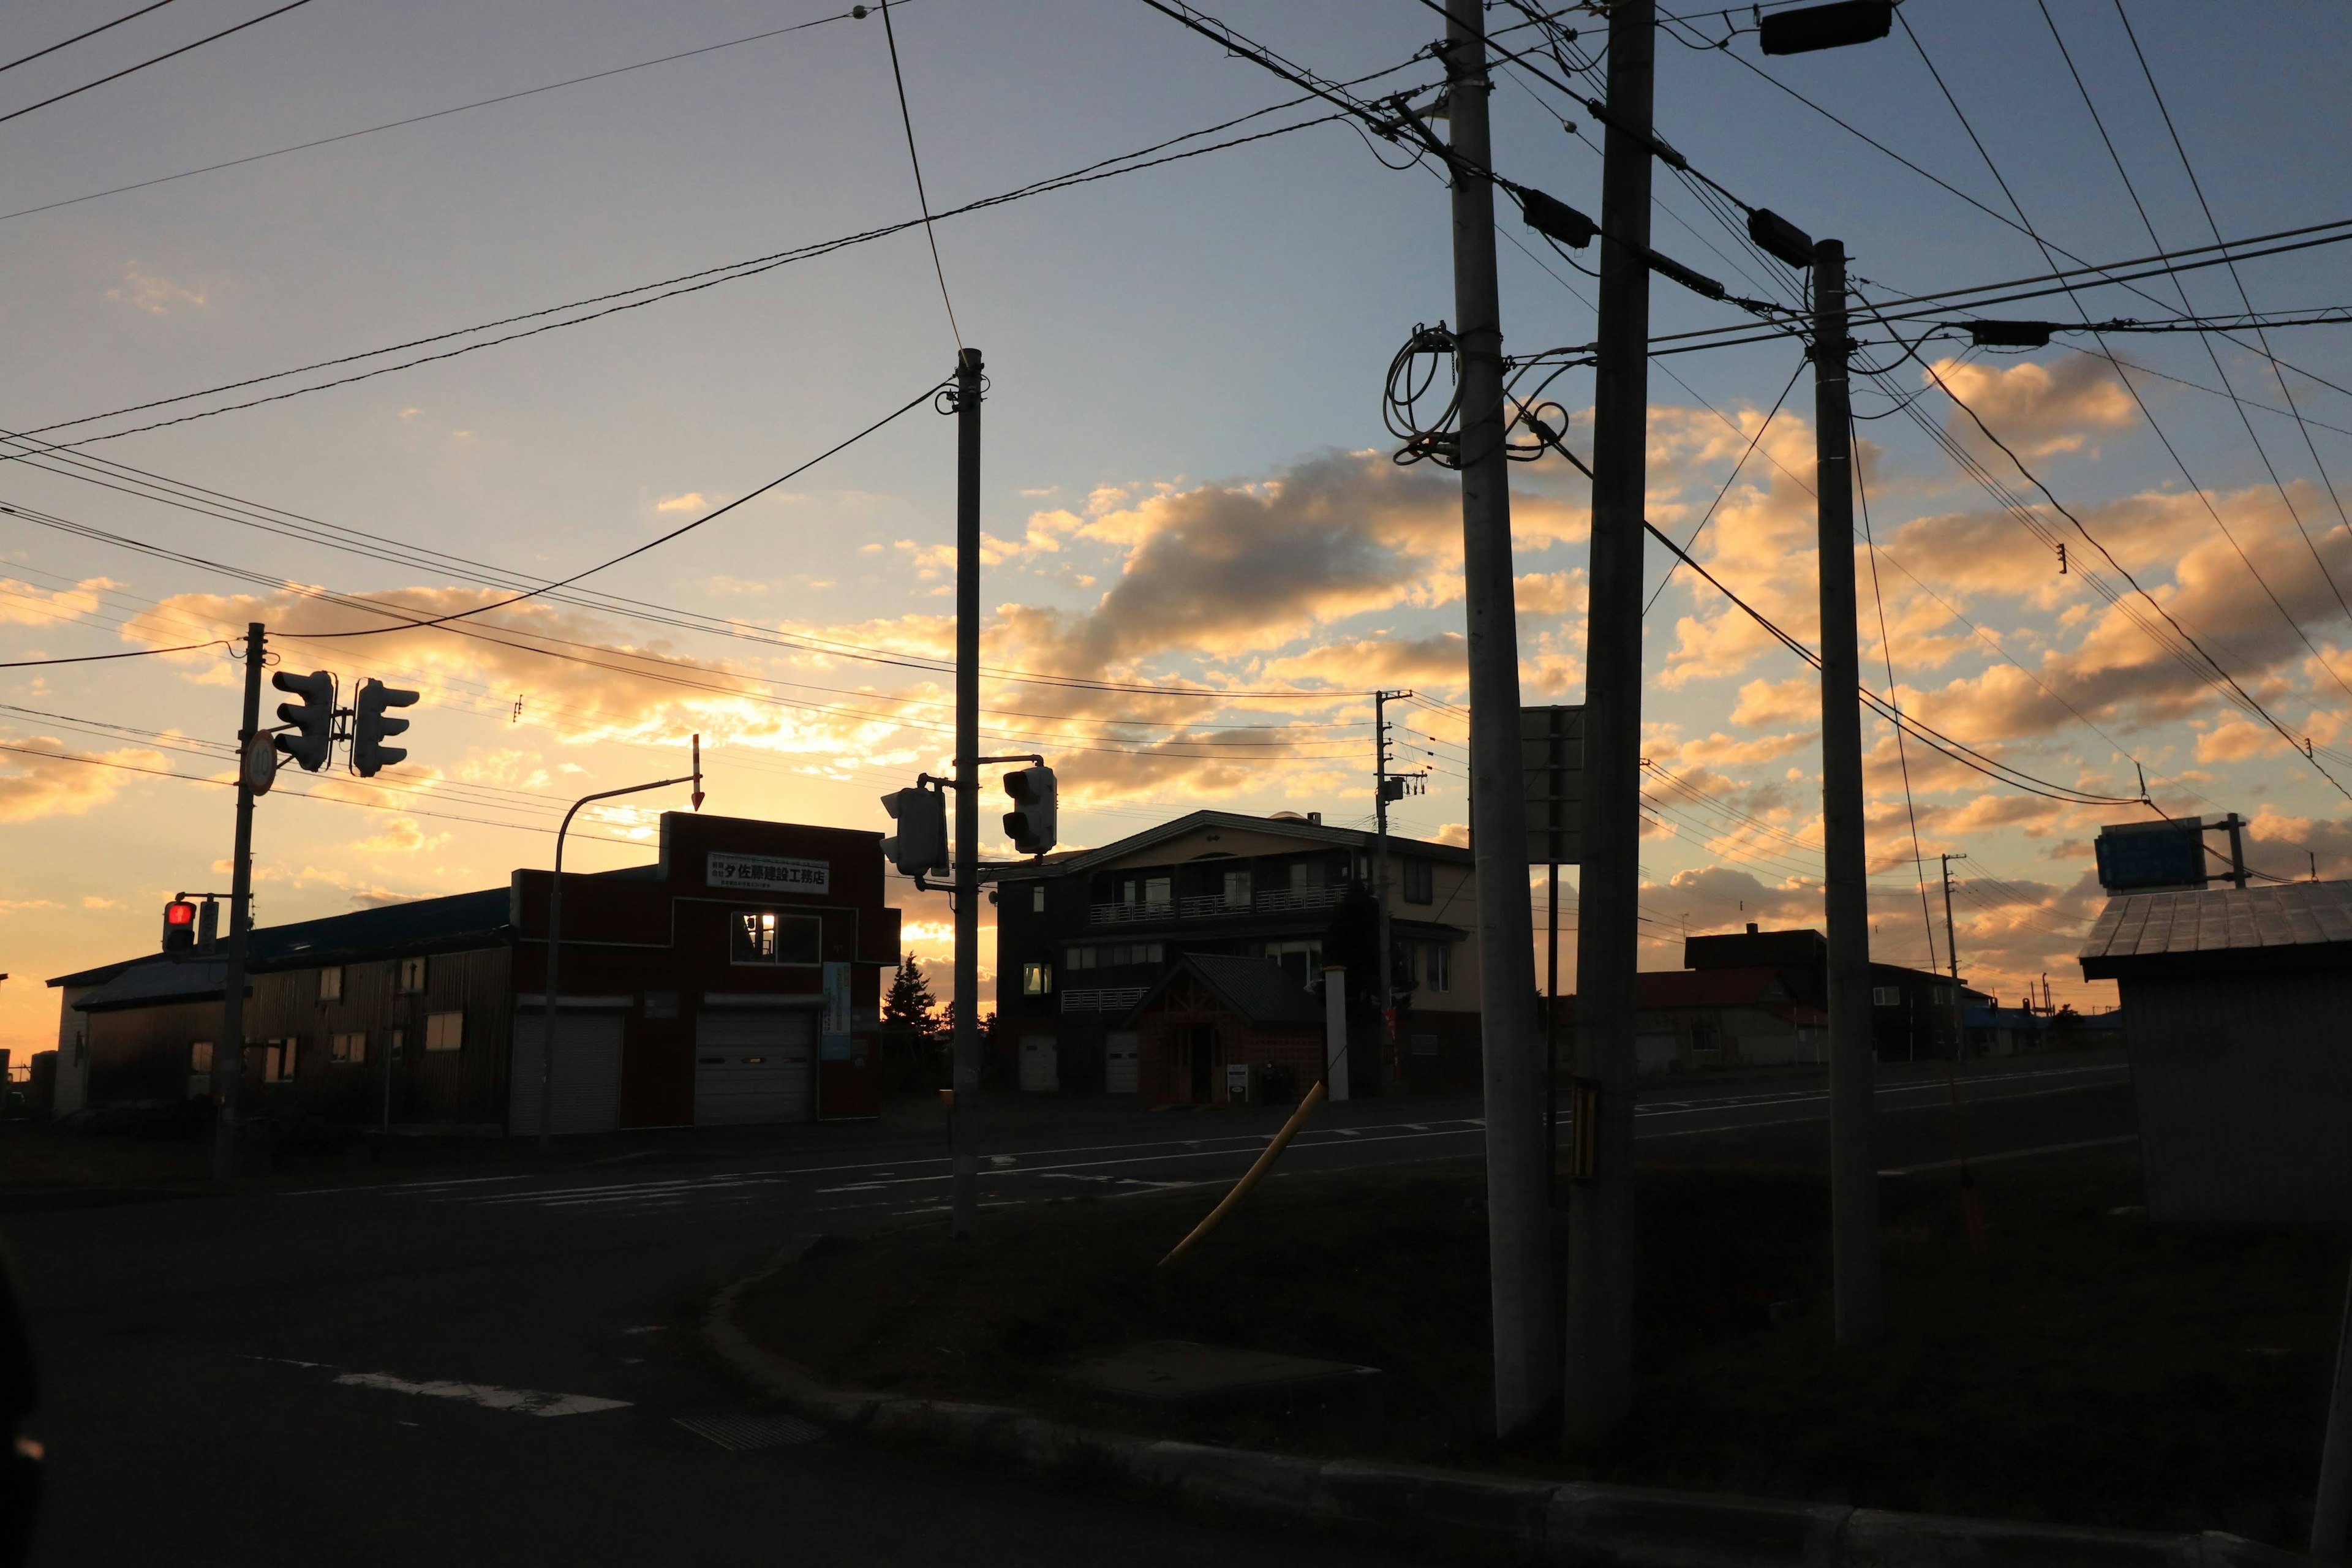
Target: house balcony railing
1102,998
1270,900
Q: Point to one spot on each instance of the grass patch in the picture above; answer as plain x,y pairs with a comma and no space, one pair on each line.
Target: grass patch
2088,1368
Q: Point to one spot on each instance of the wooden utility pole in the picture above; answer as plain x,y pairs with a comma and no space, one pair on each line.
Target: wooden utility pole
1857,1293
1597,1386
1525,1328
228,1054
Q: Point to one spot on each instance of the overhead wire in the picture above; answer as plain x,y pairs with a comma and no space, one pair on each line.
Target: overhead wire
88,33
922,199
157,60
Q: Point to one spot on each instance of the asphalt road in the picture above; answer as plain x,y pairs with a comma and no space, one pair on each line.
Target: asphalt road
490,1367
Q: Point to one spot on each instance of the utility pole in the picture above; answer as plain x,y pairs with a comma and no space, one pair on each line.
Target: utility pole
1597,1386
1857,1293
228,1056
963,1147
1381,701
1952,954
2236,825
1519,1227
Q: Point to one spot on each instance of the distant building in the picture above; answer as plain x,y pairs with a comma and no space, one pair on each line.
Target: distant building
1085,940
2237,1007
1757,998
735,980
1216,1029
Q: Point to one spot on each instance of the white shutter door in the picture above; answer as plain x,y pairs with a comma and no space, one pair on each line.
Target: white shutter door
754,1064
1120,1054
587,1071
1040,1065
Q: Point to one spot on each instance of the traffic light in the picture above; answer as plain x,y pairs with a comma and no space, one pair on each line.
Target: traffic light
1030,823
370,725
922,842
1831,26
179,926
314,718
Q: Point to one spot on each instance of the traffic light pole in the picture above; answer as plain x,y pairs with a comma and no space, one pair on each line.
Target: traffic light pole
1858,1295
1597,1382
228,1054
1388,1052
963,1147
1518,1225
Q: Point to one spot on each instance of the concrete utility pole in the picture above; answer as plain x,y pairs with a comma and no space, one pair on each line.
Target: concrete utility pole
963,1144
1857,1293
1597,1386
228,1055
1526,1336
1380,872
1952,955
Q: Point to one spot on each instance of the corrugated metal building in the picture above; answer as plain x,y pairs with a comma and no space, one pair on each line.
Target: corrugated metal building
735,980
2238,1019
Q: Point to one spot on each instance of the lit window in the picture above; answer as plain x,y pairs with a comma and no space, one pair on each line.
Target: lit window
279,1058
764,936
347,1048
331,984
1036,979
411,977
445,1031
200,1056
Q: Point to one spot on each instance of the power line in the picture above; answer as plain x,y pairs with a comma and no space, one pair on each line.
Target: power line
143,65
77,37
415,119
923,201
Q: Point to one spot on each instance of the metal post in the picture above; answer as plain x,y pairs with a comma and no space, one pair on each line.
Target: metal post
1598,1384
2236,825
1857,1295
1952,954
228,1056
1380,874
555,939
1527,1335
963,1145
1552,1020
2331,1509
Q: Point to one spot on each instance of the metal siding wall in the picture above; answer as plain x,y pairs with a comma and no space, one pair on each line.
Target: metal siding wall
2241,1086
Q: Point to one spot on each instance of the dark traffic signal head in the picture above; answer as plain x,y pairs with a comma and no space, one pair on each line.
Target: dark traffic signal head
312,740
920,844
370,725
1031,822
1831,26
179,926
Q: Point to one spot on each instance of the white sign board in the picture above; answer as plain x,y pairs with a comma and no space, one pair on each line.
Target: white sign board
767,873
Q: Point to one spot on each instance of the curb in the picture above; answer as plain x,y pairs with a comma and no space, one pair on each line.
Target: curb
1545,1521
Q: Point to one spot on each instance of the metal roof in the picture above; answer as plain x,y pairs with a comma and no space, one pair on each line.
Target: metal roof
2292,921
420,925
1259,989
157,980
1285,826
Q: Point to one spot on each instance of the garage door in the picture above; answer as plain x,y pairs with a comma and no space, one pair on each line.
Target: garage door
1041,1064
1121,1052
754,1064
587,1072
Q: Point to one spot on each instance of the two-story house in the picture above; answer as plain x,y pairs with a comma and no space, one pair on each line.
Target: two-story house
1081,941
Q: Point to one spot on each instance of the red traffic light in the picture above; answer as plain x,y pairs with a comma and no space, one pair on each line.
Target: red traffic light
179,925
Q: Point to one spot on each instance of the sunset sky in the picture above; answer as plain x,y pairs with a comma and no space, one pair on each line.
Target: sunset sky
1187,478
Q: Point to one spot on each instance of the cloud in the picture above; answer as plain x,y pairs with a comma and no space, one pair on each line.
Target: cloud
93,901
401,836
155,294
690,500
22,604
2037,409
48,782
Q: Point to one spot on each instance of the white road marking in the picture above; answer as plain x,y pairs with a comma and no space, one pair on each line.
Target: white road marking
490,1396
2018,1154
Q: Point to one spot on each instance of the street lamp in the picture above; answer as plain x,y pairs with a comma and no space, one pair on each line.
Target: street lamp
555,934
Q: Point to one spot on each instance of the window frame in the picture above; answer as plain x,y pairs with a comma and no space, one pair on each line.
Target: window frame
330,983
412,976
435,1035
1419,880
348,1047
1037,977
774,923
1437,963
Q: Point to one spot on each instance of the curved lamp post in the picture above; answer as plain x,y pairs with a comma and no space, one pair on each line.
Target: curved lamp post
555,934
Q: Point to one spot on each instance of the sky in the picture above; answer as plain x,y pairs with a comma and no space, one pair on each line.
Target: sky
1187,479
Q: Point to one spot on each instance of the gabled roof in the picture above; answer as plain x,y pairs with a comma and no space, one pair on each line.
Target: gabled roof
1259,989
2293,925
1278,826
155,980
1755,985
420,925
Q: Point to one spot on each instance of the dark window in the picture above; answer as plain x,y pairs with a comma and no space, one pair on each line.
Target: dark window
764,936
1420,886
1037,898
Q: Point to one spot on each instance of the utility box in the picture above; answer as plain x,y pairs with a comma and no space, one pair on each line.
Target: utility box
2237,1009
1237,1082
